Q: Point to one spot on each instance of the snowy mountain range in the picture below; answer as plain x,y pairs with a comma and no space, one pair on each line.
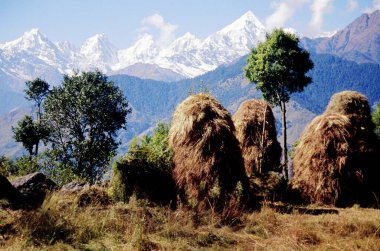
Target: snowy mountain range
34,55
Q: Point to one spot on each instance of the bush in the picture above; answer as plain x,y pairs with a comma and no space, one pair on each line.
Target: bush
145,170
46,163
5,166
56,170
24,165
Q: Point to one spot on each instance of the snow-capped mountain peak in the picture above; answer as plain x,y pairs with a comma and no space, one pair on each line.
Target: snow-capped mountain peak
142,51
31,40
182,44
247,22
33,54
99,52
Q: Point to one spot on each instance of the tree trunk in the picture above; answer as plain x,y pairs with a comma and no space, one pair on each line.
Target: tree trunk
285,147
30,152
36,151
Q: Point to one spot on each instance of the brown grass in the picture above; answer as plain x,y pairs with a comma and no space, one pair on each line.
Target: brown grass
335,161
207,162
61,225
256,133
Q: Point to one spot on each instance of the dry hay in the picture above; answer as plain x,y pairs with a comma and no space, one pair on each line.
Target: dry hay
207,162
354,105
256,133
331,166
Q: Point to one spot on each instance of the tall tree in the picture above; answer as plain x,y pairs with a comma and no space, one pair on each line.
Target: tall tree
83,115
278,66
37,90
29,133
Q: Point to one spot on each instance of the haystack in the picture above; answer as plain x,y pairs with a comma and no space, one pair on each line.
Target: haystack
354,105
208,167
336,160
256,133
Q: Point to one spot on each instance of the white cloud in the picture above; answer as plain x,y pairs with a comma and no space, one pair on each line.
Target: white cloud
283,11
166,30
375,6
352,5
319,8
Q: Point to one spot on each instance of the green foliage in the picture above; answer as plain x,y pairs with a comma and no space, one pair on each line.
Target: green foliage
24,165
37,90
293,149
29,133
46,163
146,169
376,119
153,150
83,115
58,171
5,166
278,67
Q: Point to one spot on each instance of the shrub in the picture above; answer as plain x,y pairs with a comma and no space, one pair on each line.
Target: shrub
145,170
5,166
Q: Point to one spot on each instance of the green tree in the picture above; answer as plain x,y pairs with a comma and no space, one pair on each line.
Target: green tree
376,119
278,66
29,133
36,91
83,115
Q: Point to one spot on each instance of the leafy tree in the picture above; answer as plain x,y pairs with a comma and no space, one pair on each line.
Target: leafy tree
37,90
376,119
29,133
278,67
83,115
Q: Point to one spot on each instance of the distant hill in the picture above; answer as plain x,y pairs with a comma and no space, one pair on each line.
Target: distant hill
9,99
150,71
154,101
332,74
358,42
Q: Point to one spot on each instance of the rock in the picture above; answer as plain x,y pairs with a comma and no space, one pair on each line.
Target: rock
34,186
9,192
75,186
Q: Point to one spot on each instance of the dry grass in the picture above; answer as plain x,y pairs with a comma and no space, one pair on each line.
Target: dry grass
207,162
256,133
60,224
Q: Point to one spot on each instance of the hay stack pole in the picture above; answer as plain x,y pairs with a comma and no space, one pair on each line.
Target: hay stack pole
336,160
207,161
256,133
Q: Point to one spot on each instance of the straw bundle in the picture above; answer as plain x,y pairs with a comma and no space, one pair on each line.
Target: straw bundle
208,167
256,133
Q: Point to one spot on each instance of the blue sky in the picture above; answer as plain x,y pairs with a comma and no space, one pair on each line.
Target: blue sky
124,20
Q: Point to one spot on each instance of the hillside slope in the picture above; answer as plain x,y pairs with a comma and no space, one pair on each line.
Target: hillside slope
154,101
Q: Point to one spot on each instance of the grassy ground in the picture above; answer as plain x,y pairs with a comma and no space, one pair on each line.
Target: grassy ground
64,222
